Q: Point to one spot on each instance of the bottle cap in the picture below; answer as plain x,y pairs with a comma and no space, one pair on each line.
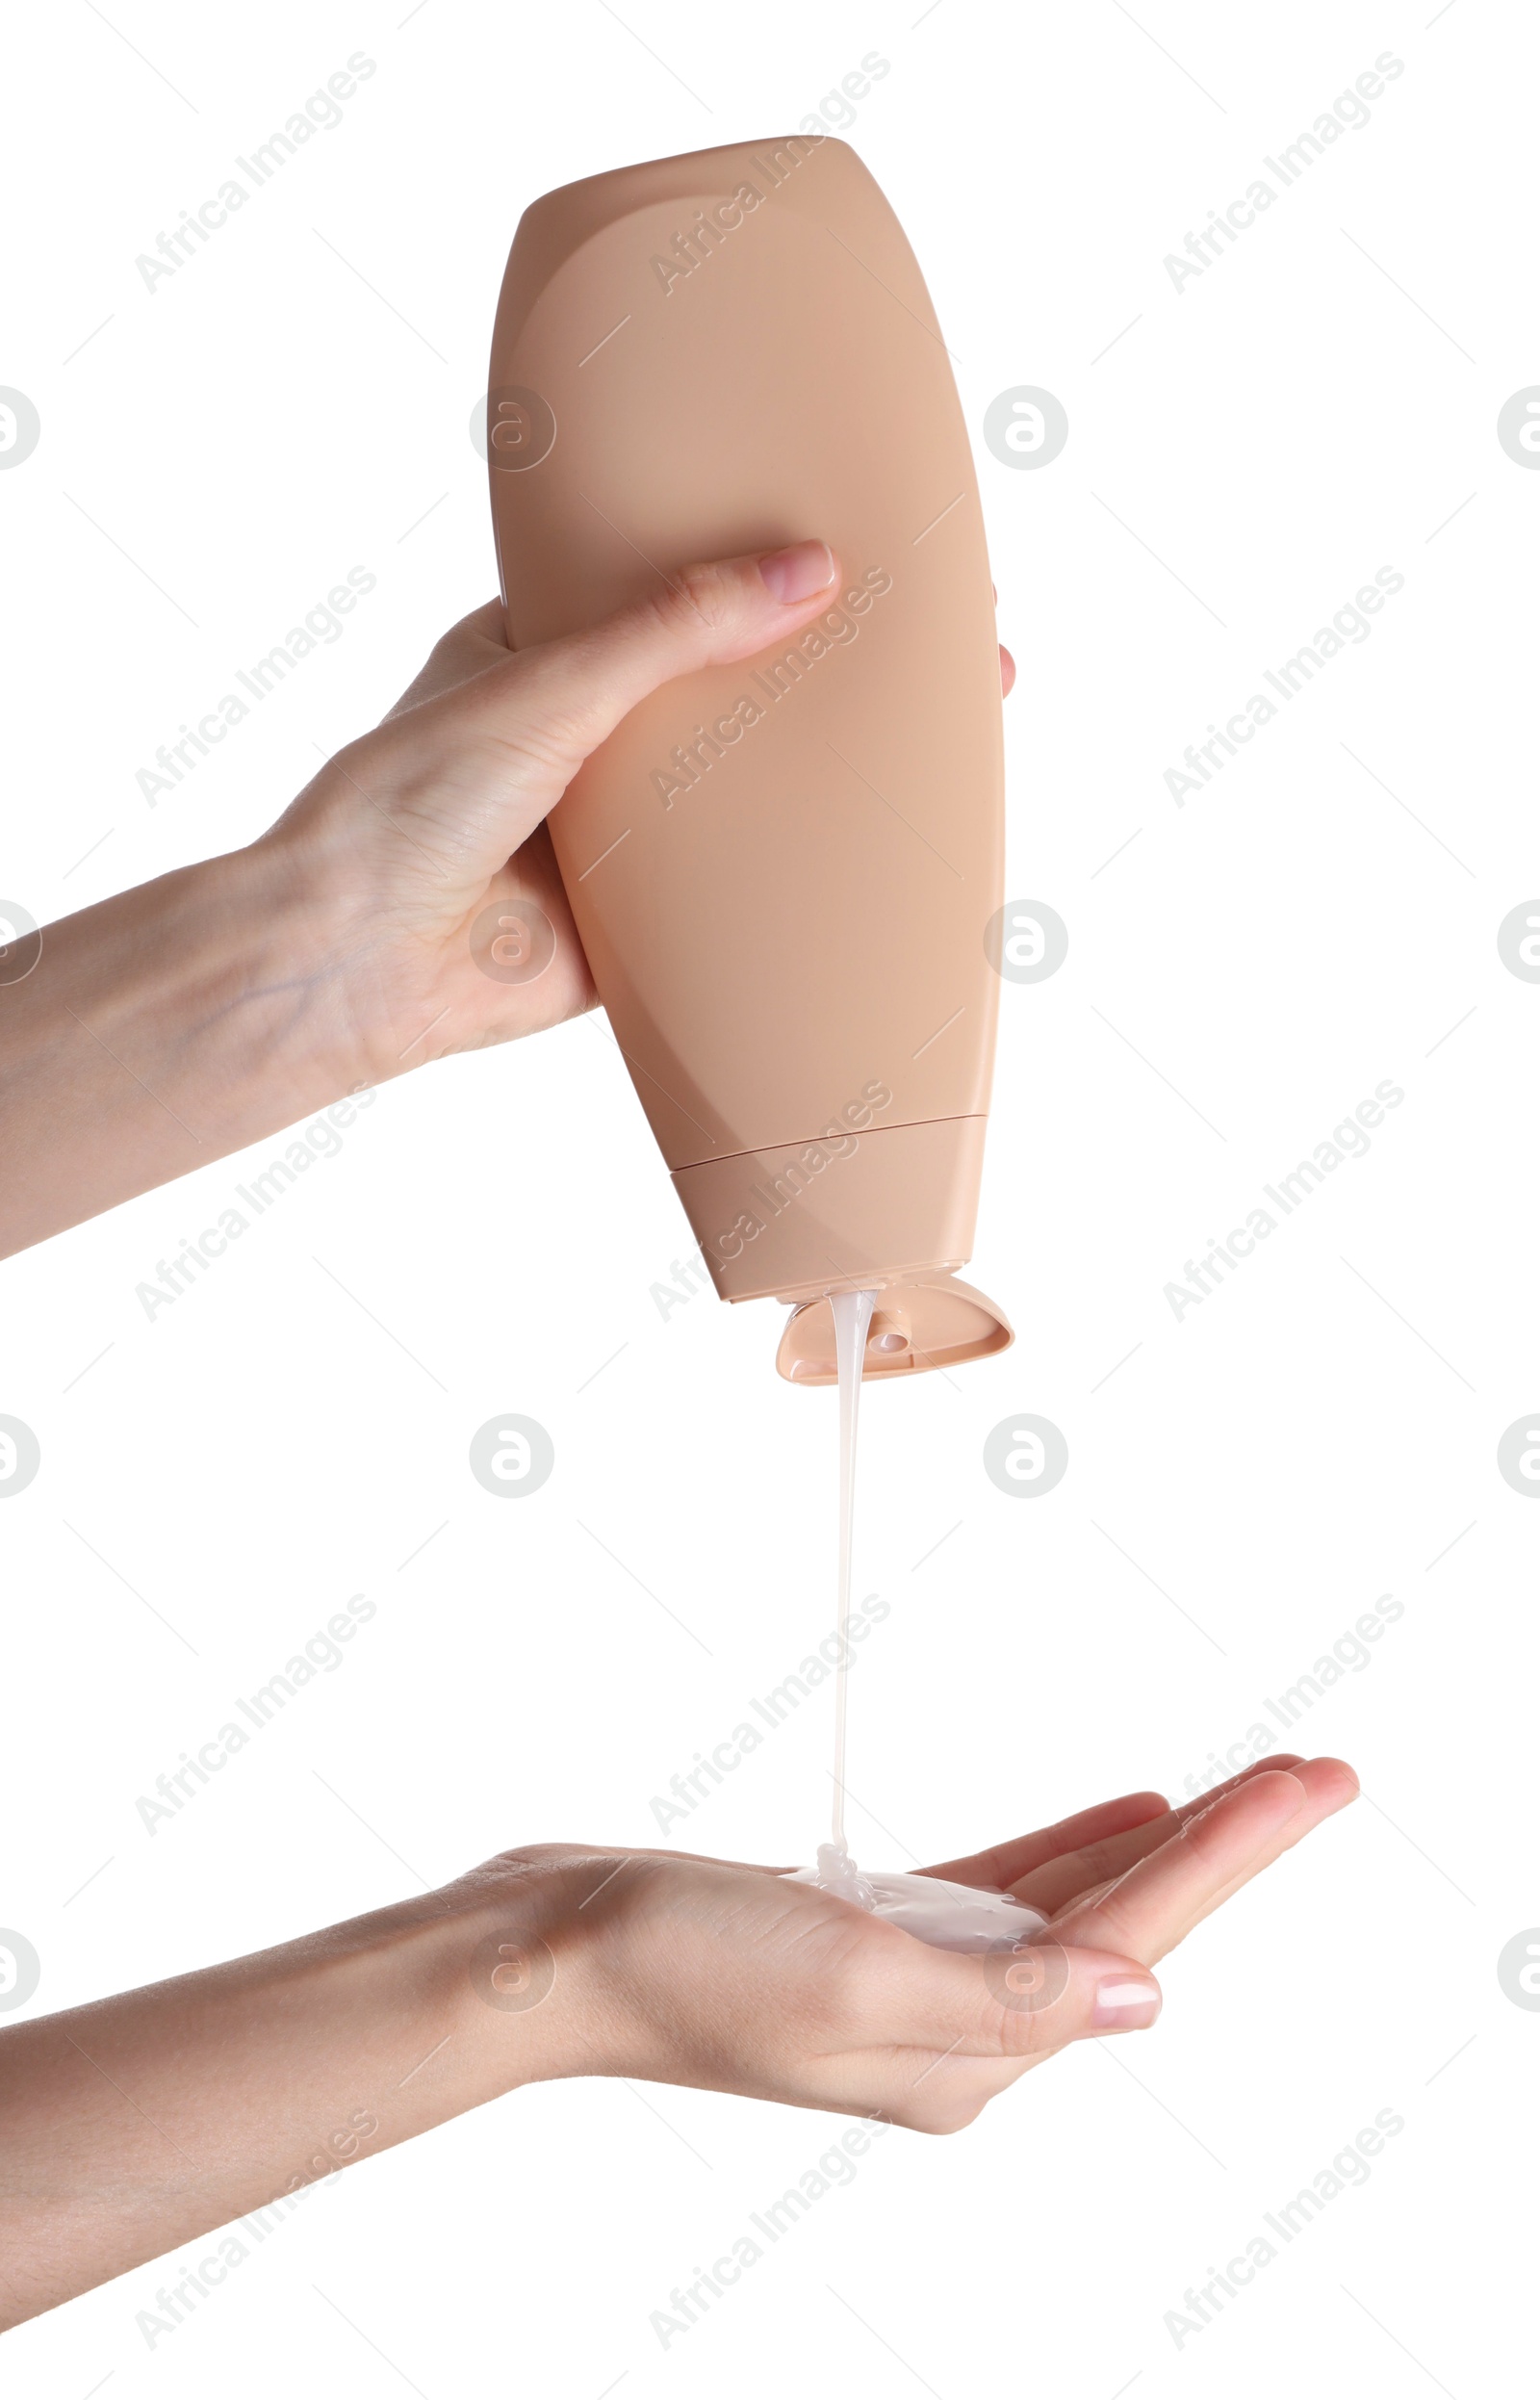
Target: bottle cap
924,1321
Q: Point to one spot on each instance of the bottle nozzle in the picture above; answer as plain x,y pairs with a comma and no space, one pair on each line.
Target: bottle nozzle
923,1321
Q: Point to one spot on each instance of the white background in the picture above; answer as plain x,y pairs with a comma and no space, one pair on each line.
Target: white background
1244,454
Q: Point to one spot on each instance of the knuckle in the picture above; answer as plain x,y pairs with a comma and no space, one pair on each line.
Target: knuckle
1097,1863
1203,1833
537,717
701,595
1113,1923
1022,2031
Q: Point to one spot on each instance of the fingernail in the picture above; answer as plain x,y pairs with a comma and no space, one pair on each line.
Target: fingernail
797,573
1126,2002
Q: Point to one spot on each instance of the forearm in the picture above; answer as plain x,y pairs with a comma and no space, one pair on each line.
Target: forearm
166,1027
147,2120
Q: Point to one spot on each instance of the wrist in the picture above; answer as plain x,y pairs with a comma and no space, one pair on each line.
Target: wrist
280,995
524,1948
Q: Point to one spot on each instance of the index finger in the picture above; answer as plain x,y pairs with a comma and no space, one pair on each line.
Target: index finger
999,1869
1058,1881
1148,1910
1088,1844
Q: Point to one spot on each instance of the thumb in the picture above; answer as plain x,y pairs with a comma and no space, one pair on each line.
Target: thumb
1004,2011
561,698
1026,2002
1049,1995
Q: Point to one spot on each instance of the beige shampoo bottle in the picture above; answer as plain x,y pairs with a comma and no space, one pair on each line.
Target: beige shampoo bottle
782,871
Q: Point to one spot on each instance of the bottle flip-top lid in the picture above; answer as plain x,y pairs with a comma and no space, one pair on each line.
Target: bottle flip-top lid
924,1321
